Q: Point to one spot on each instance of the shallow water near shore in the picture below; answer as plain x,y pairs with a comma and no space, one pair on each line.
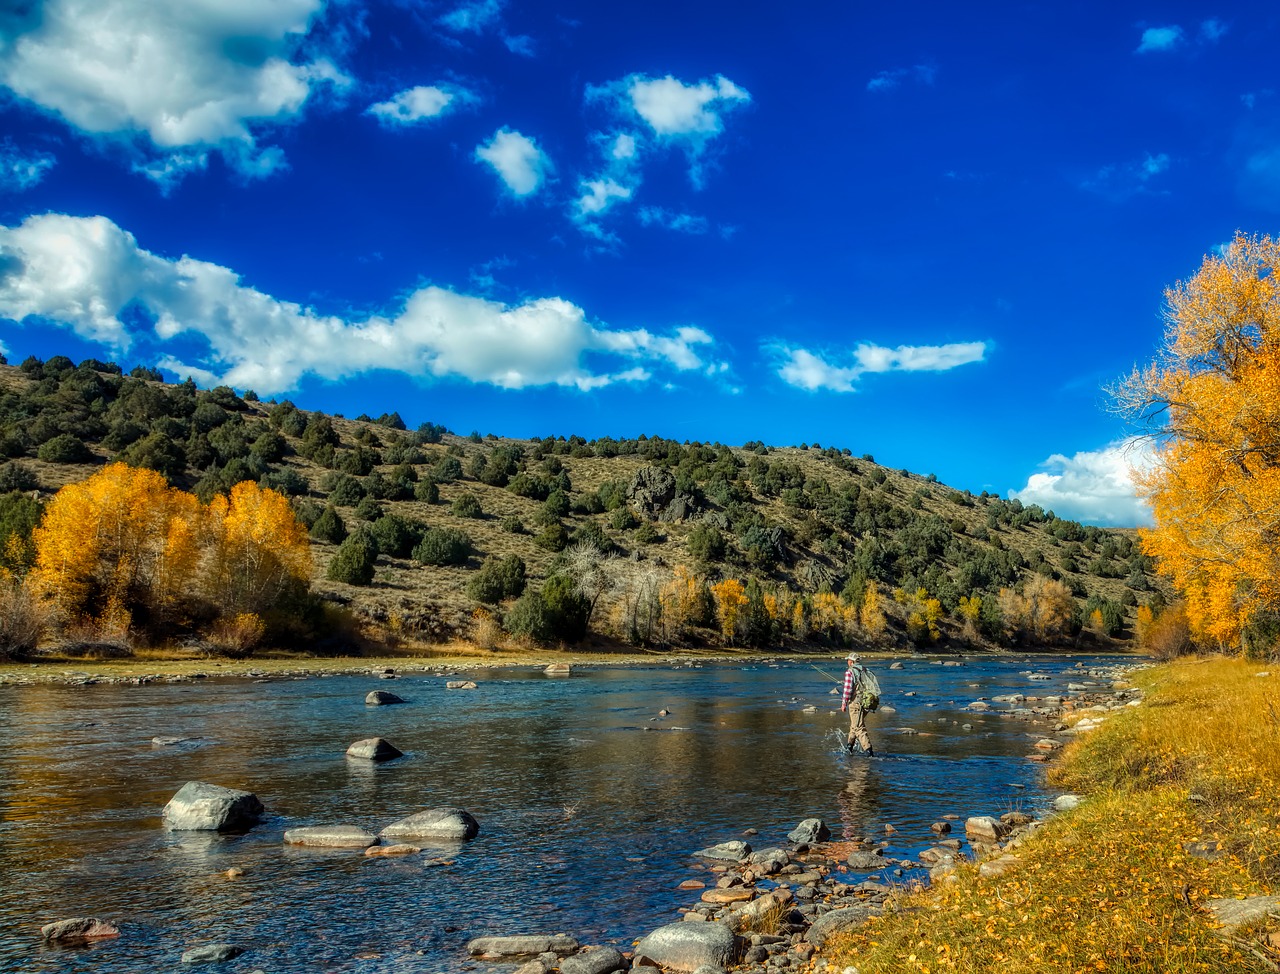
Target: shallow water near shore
589,803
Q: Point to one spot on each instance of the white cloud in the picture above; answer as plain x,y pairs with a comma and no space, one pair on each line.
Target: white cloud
517,160
658,216
419,103
924,74
676,110
1095,486
21,170
688,116
1213,30
806,370
521,44
90,276
599,195
169,78
651,113
1160,39
918,358
472,18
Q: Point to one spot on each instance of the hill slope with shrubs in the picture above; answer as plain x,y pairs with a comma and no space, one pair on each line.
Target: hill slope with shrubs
424,535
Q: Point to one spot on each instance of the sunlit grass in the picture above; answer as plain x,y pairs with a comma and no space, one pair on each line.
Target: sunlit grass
1112,886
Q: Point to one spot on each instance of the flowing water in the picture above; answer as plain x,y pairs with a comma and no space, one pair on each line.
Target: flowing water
589,803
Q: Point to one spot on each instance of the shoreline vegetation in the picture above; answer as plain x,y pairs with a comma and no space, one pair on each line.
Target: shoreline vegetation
1170,865
136,513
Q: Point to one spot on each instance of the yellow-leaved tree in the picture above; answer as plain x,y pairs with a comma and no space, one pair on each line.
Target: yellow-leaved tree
257,551
1211,401
124,550
119,542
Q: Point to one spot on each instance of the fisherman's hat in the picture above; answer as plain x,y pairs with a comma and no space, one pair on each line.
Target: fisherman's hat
853,658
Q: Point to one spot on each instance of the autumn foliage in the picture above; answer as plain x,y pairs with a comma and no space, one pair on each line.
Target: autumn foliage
124,551
1211,399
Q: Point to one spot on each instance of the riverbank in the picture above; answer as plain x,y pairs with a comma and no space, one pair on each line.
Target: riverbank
1169,866
149,665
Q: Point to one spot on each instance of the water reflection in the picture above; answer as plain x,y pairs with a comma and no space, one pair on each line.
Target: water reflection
589,799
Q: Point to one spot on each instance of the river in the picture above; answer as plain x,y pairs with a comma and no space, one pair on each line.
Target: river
589,802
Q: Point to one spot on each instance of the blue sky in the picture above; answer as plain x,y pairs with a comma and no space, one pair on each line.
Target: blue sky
922,231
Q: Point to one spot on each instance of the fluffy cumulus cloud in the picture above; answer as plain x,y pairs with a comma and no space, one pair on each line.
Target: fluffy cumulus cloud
516,158
19,169
173,79
90,276
807,370
419,104
1160,39
1095,486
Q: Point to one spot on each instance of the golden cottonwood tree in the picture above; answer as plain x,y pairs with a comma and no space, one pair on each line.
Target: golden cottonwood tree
256,551
125,544
121,540
1211,400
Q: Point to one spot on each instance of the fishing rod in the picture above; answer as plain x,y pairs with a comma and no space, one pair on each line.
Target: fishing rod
833,679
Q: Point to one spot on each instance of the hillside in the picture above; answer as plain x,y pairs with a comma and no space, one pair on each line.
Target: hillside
807,529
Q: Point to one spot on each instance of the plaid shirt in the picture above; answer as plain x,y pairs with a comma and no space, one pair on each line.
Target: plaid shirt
849,683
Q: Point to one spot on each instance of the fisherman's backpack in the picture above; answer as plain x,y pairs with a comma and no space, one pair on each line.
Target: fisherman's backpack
869,690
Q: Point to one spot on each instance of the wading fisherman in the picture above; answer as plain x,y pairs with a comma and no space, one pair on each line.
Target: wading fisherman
861,696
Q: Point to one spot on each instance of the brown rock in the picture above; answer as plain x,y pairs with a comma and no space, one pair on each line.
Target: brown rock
78,930
692,884
738,894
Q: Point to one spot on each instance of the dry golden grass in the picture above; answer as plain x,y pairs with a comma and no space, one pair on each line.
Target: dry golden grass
1112,885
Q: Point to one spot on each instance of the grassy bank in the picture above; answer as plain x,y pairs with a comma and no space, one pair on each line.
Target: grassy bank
1113,885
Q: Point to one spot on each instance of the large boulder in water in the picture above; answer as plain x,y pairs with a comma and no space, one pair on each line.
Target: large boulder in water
809,831
378,698
688,946
374,749
199,806
449,824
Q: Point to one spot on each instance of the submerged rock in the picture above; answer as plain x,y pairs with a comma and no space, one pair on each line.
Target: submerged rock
78,930
453,824
199,806
331,837
522,945
212,954
558,669
688,946
460,685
